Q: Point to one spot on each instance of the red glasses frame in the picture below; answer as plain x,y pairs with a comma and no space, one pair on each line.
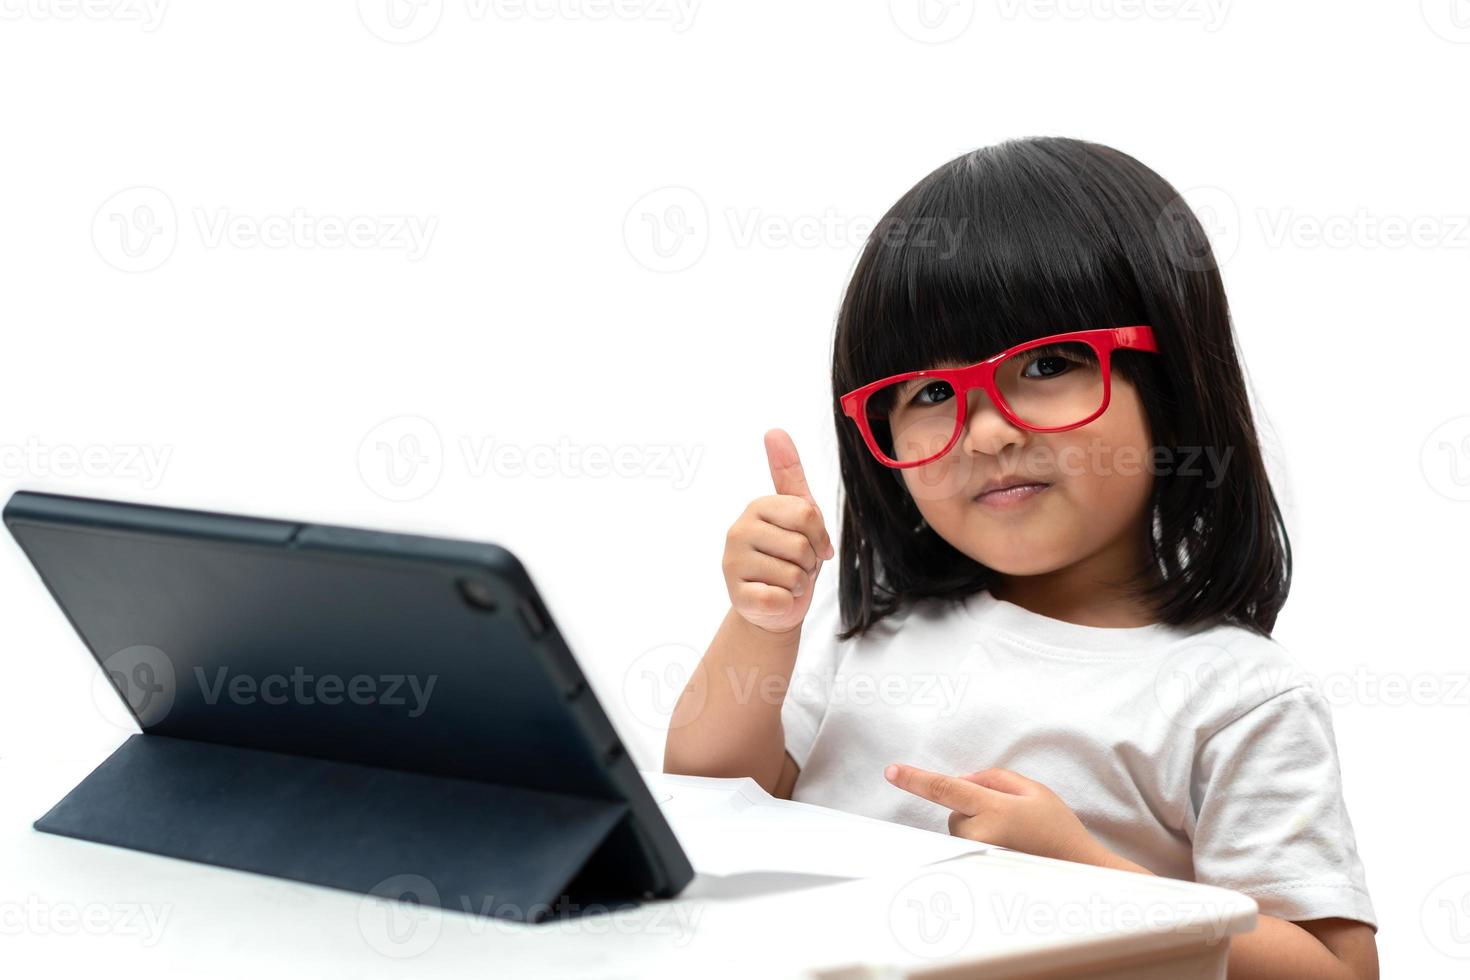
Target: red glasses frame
982,375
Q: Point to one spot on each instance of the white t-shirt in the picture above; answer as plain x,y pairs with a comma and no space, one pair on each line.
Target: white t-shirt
1200,754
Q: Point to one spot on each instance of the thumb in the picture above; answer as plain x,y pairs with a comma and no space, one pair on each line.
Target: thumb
786,471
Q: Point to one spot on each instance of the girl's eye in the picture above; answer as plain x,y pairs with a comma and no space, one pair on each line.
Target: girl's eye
1046,367
933,393
1050,362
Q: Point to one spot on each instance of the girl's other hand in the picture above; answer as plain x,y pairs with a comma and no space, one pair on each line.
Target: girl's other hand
998,806
775,550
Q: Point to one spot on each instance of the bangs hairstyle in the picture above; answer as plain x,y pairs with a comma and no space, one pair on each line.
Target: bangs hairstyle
1031,237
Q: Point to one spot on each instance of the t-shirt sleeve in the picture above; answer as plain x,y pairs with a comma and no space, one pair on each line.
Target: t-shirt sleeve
810,689
1270,821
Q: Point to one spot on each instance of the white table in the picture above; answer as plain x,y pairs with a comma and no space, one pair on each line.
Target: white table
70,907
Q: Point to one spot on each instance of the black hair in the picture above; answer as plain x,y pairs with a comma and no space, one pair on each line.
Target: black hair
1026,238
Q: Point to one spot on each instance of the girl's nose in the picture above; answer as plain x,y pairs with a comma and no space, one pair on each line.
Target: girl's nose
986,429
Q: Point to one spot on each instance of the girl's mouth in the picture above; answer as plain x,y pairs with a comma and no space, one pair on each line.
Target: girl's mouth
1010,496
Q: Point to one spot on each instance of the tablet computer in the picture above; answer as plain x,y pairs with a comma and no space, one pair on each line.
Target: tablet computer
387,713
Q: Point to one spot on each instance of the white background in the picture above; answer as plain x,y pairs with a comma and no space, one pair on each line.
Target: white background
261,364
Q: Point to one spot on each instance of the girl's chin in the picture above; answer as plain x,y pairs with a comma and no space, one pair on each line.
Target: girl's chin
1020,557
1017,567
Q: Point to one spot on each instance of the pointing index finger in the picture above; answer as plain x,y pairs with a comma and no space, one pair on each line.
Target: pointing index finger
957,794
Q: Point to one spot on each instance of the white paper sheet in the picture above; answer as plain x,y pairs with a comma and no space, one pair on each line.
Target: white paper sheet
732,826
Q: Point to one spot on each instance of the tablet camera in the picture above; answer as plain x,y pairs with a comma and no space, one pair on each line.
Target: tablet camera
478,593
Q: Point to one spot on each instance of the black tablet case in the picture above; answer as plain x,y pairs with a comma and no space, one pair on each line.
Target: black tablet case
507,794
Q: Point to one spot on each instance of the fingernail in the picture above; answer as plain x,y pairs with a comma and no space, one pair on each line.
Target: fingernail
891,772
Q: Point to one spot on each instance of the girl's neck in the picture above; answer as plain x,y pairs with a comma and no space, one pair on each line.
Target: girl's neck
1088,593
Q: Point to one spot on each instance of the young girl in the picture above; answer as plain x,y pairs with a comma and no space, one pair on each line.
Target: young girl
1061,561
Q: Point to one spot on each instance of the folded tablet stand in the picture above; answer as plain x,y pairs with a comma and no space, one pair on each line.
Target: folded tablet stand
479,847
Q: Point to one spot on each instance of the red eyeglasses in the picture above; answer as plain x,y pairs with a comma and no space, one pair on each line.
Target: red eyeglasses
1050,384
